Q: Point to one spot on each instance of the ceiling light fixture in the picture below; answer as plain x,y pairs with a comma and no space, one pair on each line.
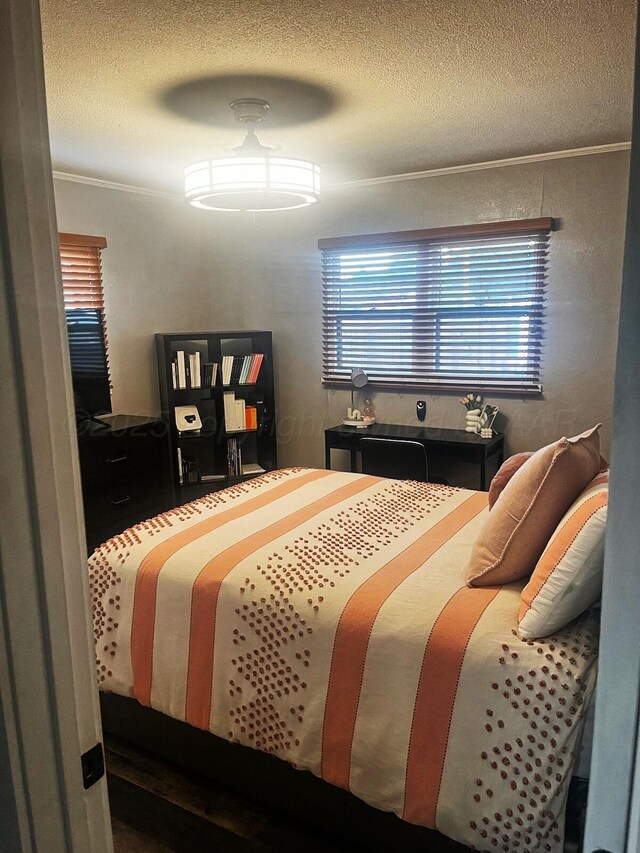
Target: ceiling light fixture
253,180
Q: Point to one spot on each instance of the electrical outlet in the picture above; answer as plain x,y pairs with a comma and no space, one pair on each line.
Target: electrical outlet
421,409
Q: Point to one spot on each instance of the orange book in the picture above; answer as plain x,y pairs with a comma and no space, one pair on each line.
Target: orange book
251,417
255,367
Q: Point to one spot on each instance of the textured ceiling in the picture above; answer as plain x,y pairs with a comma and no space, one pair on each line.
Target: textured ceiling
404,84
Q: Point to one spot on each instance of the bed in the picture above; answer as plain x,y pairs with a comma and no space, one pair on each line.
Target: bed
323,618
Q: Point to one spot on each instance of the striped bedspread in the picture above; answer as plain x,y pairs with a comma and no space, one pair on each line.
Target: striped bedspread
323,617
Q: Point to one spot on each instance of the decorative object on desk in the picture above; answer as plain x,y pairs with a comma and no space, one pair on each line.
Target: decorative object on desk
473,420
368,412
472,404
485,424
354,416
188,419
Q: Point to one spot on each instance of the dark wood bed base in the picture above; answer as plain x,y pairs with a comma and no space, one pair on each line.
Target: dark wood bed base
275,783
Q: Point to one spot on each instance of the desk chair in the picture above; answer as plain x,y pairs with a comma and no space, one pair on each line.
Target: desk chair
395,458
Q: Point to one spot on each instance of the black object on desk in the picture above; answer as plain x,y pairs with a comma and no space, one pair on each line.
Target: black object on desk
454,443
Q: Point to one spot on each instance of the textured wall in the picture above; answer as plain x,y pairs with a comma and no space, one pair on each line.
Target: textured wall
277,286
171,267
156,272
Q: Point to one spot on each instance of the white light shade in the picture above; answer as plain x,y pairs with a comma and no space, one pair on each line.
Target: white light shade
252,183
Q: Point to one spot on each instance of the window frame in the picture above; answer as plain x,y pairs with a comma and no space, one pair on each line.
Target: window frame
331,339
87,242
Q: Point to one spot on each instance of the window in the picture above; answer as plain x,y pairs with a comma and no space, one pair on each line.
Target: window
447,308
80,258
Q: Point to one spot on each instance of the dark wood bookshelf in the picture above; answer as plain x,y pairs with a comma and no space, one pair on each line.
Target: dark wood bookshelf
207,451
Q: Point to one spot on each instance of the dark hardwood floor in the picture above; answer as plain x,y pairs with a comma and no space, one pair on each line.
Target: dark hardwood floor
156,808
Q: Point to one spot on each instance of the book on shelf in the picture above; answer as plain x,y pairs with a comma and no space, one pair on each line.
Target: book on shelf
227,361
187,469
251,417
241,369
209,374
252,468
229,399
189,371
236,366
234,458
238,417
254,369
239,420
195,374
181,369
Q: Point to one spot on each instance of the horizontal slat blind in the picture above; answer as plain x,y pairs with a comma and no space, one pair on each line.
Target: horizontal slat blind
81,261
459,311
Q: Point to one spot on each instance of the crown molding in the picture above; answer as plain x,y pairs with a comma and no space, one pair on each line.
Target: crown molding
488,164
386,179
113,185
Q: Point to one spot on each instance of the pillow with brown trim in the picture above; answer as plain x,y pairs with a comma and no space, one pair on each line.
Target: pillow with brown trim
508,469
568,577
530,508
505,473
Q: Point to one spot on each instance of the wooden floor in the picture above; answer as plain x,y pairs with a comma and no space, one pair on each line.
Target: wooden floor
156,808
159,808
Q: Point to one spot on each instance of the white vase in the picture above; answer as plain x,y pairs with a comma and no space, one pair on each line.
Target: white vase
472,419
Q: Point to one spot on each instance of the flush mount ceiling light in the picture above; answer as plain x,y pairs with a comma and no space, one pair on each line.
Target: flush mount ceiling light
254,179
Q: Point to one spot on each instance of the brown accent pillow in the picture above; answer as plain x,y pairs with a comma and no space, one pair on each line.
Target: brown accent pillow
530,508
509,468
505,473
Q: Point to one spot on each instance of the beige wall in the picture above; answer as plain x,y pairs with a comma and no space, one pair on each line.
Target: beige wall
157,278
277,286
170,267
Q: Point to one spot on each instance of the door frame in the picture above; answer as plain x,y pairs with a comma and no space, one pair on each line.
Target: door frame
613,809
49,711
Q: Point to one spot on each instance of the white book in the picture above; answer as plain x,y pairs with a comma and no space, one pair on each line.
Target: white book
195,370
240,414
182,373
174,375
245,369
227,362
229,410
180,466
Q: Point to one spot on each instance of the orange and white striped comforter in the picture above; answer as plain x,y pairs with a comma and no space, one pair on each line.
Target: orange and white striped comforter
323,617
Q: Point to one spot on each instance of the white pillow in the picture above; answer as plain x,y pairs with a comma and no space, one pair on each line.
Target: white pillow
568,576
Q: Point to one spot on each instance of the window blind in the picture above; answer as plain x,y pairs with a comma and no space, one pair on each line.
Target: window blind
81,262
447,309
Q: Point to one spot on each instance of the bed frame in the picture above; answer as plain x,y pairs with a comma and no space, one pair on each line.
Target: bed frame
273,782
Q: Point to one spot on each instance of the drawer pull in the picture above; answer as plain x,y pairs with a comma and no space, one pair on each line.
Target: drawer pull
121,501
119,459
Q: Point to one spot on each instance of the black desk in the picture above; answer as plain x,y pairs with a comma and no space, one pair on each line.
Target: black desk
464,446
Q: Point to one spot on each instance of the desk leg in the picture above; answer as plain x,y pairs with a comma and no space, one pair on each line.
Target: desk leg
354,466
327,455
483,474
